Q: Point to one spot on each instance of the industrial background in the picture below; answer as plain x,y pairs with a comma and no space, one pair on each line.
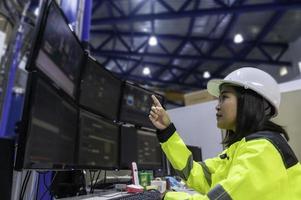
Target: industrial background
170,46
176,46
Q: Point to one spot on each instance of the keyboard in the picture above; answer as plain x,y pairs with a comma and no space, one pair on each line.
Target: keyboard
147,195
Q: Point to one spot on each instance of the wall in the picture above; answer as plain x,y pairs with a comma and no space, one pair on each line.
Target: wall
197,126
290,113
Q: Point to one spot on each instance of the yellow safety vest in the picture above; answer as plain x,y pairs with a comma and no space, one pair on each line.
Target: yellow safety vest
261,166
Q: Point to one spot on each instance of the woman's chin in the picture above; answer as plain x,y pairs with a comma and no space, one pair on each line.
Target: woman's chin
220,125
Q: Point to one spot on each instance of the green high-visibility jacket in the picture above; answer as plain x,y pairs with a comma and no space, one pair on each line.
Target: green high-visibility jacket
261,166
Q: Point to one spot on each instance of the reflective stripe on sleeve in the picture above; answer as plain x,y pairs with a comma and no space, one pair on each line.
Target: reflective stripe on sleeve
185,172
218,193
207,173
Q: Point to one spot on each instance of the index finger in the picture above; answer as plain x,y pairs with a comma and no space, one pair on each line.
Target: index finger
156,101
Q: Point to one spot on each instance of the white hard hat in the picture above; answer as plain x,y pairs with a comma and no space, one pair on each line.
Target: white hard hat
253,79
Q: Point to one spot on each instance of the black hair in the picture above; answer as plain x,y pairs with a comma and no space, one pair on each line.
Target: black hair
254,114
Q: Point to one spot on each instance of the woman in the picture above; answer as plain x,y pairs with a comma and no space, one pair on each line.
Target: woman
258,162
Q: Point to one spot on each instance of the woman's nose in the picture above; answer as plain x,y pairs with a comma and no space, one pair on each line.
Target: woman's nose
217,107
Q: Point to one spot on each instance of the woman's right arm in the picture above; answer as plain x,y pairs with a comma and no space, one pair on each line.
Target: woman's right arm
197,175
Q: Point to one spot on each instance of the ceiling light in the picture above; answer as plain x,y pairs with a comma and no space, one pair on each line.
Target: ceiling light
36,11
238,38
283,71
152,41
206,74
146,71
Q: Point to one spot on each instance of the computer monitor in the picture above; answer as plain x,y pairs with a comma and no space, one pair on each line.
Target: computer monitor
196,153
98,142
135,105
140,146
59,55
100,90
149,150
48,133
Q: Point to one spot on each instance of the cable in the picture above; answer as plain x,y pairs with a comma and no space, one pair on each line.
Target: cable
95,182
83,180
105,177
37,190
24,185
92,181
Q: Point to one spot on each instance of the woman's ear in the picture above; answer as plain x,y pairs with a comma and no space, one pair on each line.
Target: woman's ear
268,109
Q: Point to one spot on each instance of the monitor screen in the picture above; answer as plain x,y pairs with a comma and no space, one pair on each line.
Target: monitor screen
98,142
60,54
100,90
140,146
136,104
149,150
50,134
196,152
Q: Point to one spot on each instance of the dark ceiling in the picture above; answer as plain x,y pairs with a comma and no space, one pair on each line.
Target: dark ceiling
194,36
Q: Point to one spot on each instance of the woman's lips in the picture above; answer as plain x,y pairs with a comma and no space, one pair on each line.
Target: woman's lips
218,115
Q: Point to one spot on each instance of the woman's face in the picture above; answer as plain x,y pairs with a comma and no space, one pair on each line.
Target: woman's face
226,108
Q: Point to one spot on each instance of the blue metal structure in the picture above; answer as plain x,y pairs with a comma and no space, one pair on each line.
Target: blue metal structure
87,21
8,100
193,36
14,114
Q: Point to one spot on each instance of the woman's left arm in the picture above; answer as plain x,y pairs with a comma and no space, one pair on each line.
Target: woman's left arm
257,172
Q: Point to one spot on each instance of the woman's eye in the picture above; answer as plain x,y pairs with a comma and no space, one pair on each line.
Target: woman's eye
223,97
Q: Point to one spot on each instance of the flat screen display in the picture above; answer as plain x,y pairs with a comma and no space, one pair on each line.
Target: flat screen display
135,105
196,153
149,150
51,130
98,142
140,146
60,54
100,90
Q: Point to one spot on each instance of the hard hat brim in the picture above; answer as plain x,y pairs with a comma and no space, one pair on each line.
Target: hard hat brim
213,86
